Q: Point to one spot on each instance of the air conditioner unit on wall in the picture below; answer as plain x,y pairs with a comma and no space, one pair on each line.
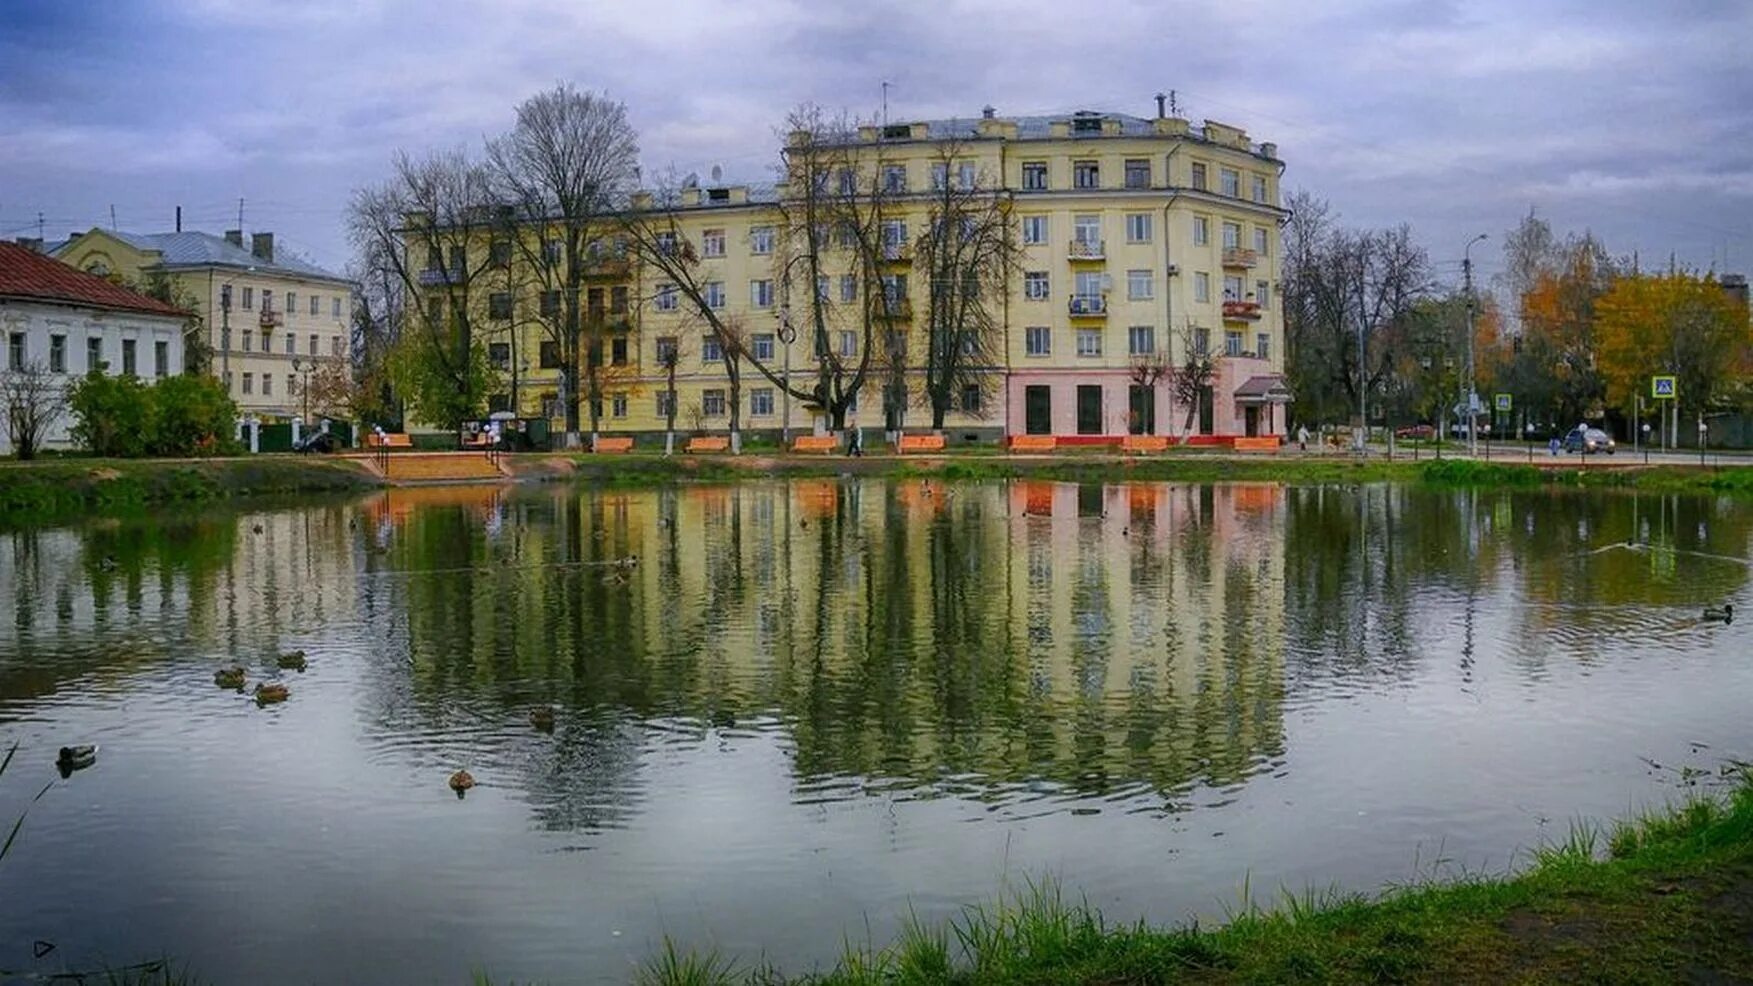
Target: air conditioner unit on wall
1174,269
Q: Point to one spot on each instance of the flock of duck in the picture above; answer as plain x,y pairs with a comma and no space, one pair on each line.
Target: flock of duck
235,678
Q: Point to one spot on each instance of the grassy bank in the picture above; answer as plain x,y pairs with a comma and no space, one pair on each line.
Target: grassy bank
1665,898
645,469
55,487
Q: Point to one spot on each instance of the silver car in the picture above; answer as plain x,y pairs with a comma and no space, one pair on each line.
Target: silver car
1586,440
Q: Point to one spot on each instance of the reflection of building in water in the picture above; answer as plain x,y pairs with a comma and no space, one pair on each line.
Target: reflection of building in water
121,592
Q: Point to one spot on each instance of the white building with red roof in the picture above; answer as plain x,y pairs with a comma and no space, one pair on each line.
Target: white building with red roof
64,323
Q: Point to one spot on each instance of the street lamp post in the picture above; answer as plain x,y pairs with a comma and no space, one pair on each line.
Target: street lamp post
304,366
1472,385
1702,428
787,335
1530,431
1646,443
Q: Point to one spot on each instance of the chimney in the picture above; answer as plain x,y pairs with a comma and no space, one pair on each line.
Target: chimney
989,112
1162,107
234,237
179,218
262,246
1269,150
31,243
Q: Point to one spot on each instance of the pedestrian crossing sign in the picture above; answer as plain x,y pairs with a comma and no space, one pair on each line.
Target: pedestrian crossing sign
1503,402
1662,388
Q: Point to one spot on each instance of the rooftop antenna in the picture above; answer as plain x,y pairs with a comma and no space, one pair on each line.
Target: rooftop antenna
1174,104
39,225
885,103
112,215
240,213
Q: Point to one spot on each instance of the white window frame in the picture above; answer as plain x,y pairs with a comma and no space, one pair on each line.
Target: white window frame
761,402
1089,343
761,345
761,293
1140,285
1201,286
1041,335
714,294
761,240
1260,240
1037,285
1263,294
1229,183
1201,231
848,288
1138,227
1144,333
712,243
1036,230
1232,236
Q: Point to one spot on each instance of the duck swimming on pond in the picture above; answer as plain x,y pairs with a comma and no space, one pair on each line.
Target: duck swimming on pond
292,660
268,694
461,781
542,717
231,677
1722,614
73,758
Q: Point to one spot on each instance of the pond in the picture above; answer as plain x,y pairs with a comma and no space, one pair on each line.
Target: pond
810,707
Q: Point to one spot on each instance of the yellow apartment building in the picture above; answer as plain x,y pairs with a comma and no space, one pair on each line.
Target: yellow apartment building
271,319
1139,239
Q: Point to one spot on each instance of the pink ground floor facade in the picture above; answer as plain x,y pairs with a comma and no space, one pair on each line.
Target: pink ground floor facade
1247,398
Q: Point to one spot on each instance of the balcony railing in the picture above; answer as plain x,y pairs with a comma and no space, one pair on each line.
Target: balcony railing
1246,311
607,267
433,276
271,317
1082,249
896,308
1239,257
1088,306
898,253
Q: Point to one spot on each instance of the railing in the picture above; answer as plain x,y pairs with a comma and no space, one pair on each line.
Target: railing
1088,305
1239,257
1082,249
432,277
272,318
897,308
607,267
898,252
1247,310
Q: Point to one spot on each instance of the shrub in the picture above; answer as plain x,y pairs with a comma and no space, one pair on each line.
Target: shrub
118,416
193,416
112,414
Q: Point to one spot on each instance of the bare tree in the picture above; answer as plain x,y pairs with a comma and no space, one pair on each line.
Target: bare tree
421,232
1145,371
968,254
566,166
669,359
1190,382
32,399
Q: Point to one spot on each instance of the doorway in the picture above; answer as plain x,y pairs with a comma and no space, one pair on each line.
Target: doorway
1141,417
1038,409
1089,409
1251,421
1205,412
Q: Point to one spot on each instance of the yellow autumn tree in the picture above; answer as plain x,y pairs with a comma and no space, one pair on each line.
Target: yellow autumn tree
1677,323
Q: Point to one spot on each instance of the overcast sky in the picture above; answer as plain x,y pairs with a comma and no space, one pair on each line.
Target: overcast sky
1630,117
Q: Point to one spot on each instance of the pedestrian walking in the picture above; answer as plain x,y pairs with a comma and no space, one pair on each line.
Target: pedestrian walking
1302,437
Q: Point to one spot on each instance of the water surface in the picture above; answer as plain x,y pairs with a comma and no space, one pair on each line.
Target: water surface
811,706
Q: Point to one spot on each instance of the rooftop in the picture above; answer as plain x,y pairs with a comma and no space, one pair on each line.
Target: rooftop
29,275
194,249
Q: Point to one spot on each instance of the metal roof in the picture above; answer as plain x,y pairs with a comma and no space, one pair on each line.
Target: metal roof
194,249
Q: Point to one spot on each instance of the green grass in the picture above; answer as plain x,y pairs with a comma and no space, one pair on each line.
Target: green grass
1660,898
32,490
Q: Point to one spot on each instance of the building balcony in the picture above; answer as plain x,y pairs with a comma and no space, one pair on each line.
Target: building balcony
271,318
432,277
1241,311
1087,306
1239,257
898,253
899,309
608,269
1082,249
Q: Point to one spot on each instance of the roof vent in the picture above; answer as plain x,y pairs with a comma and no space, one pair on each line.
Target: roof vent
989,111
717,174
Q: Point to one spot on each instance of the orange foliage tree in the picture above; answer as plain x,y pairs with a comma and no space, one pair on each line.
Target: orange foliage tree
1677,323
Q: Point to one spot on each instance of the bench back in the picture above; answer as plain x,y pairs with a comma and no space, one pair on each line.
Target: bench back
1033,443
1144,443
623,444
922,443
708,443
1265,444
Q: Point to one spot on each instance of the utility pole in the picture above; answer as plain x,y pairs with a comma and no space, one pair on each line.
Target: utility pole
1472,385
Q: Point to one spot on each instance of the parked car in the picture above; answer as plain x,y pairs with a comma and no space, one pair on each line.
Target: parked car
320,442
1585,440
1425,432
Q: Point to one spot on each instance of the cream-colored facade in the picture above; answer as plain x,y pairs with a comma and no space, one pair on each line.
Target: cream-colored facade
272,321
1139,238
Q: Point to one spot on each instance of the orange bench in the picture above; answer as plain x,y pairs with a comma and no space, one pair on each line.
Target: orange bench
708,443
391,439
621,444
1032,443
932,442
815,443
1266,444
1144,443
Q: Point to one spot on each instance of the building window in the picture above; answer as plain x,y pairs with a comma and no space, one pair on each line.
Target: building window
1141,340
848,181
712,403
618,405
894,178
249,340
1232,236
666,298
268,386
665,350
15,352
549,355
970,398
712,243
291,343
1034,230
1089,342
894,290
761,402
763,346
315,305
499,354
1259,188
618,300
1263,345
1138,227
267,299
1034,176
548,304
313,343
551,250
129,366
848,287
1140,285
249,383
1198,181
1229,183
499,304
618,351
1201,286
334,345
291,383
965,176
1201,341
1232,288
1035,285
894,234
57,354
761,293
1038,340
228,382
665,401
335,307
1086,174
161,358
1263,293
714,294
249,299
710,350
1201,231
1086,231
1260,240
824,289
291,303
1232,344
1138,173
666,243
940,176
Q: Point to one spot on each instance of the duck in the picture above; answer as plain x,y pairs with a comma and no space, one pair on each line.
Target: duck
257,528
232,677
542,717
268,694
293,660
461,781
73,758
1722,614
